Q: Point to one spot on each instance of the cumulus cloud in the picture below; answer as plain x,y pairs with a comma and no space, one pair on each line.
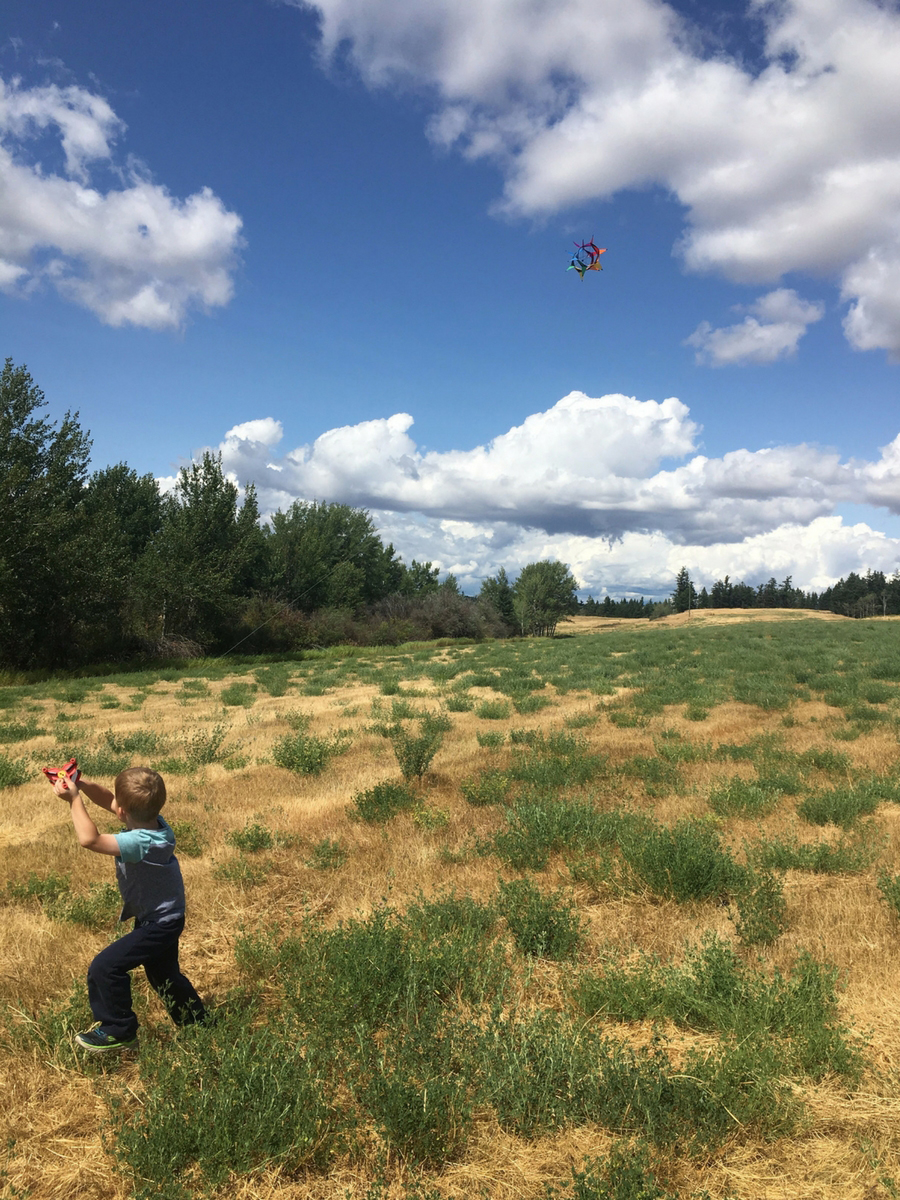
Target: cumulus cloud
772,331
792,164
133,254
592,481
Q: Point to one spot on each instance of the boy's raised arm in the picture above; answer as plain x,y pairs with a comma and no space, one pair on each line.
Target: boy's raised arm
97,793
89,836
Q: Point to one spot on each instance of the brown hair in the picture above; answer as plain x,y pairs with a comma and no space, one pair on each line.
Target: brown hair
141,792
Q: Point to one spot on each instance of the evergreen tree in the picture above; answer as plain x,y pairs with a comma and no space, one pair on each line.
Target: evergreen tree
684,597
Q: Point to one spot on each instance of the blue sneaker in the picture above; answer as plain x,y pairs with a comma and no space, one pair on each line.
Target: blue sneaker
96,1040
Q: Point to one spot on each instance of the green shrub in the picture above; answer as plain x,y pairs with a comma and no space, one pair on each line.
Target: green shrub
242,872
17,731
625,1174
543,926
490,787
490,740
847,856
683,862
275,679
95,909
492,710
382,802
527,702
824,759
415,754
304,754
141,741
43,888
327,855
741,797
714,989
188,841
14,771
233,1099
251,839
761,909
658,776
459,702
204,746
239,695
888,886
842,806
538,828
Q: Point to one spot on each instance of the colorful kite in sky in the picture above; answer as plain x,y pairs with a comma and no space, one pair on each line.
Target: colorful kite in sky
586,258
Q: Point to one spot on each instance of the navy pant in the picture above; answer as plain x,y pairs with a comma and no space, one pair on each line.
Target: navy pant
153,946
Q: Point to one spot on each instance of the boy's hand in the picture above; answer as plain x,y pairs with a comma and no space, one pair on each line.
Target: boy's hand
66,788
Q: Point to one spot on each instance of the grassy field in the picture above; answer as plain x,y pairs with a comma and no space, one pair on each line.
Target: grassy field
612,916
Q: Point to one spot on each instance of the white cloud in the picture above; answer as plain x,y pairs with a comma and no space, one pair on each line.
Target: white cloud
609,482
133,254
794,167
784,320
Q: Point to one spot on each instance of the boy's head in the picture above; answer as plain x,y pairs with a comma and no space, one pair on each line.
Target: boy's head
140,793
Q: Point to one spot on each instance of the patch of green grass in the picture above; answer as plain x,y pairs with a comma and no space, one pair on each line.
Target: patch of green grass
714,989
204,746
492,710
744,798
382,802
275,679
542,925
19,731
14,771
42,888
251,839
326,855
188,840
846,856
625,1174
682,862
490,739
242,872
488,787
303,754
658,776
95,909
841,806
239,695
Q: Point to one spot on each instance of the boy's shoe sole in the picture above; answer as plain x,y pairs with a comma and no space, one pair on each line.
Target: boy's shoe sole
98,1042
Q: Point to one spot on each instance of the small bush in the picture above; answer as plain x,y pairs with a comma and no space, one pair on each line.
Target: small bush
14,771
242,872
740,797
415,754
684,862
188,841
490,740
204,745
761,909
490,787
847,856
43,888
238,695
304,754
96,909
842,806
17,731
275,679
382,802
492,710
459,702
233,1099
327,855
626,1174
528,702
542,926
251,839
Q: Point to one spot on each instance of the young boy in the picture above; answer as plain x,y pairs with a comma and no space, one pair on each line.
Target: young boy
149,879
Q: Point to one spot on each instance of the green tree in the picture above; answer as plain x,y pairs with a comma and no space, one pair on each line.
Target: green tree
330,556
46,567
543,594
497,591
208,556
684,597
419,579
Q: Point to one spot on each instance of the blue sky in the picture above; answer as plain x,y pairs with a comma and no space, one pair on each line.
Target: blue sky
273,229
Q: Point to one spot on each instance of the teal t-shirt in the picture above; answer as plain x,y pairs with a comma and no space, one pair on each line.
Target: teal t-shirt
149,875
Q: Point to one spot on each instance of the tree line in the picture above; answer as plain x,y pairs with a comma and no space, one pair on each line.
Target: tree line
102,566
871,595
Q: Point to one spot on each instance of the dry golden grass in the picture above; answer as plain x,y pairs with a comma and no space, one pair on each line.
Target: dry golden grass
50,1116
